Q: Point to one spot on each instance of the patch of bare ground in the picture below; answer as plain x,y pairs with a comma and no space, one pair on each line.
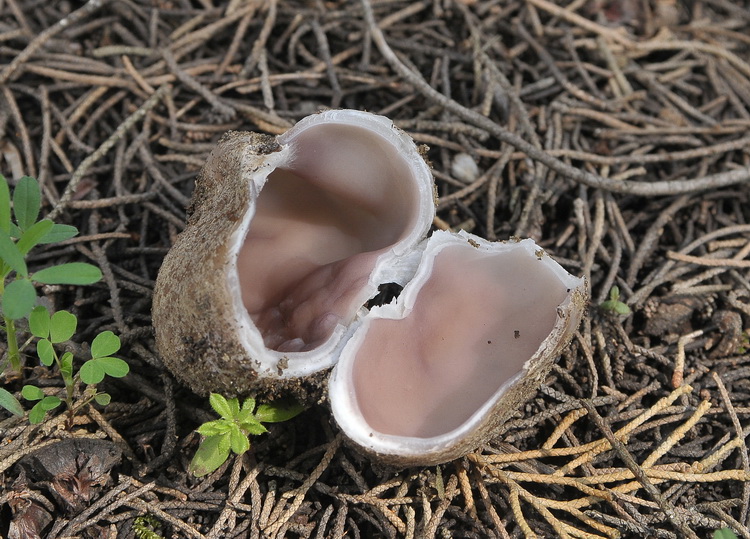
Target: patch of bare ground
615,133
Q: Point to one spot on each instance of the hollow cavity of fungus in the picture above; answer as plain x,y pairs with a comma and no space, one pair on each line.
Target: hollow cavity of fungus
289,237
472,335
344,199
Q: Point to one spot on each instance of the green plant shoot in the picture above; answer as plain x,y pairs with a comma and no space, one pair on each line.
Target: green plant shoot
57,329
232,432
613,304
146,526
21,231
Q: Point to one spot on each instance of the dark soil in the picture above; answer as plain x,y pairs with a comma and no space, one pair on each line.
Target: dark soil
614,133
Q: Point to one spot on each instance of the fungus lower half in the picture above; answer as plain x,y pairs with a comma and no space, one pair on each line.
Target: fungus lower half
287,240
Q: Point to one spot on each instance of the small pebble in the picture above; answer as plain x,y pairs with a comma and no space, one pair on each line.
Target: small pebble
464,168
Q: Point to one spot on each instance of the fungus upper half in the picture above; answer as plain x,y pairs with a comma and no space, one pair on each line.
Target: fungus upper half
290,238
345,197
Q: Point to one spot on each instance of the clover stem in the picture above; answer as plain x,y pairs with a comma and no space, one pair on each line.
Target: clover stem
14,354
69,387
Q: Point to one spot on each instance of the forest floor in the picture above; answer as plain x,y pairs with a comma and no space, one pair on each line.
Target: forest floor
614,133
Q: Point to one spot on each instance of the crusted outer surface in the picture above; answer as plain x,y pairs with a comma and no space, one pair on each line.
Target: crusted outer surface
192,309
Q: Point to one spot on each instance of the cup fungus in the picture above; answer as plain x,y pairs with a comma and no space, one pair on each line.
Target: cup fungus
286,241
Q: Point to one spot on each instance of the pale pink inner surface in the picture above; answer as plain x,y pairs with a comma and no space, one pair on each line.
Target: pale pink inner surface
321,221
475,322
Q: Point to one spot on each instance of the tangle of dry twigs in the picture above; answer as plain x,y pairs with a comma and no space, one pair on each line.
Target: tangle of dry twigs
612,132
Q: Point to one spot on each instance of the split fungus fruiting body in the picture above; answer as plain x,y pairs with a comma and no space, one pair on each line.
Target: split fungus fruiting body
288,238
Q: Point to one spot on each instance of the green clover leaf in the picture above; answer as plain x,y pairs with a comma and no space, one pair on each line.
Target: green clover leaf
18,299
27,201
78,273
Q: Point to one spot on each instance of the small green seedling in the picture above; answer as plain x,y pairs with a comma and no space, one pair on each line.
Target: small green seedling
21,231
57,329
613,304
147,527
724,533
232,432
744,342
